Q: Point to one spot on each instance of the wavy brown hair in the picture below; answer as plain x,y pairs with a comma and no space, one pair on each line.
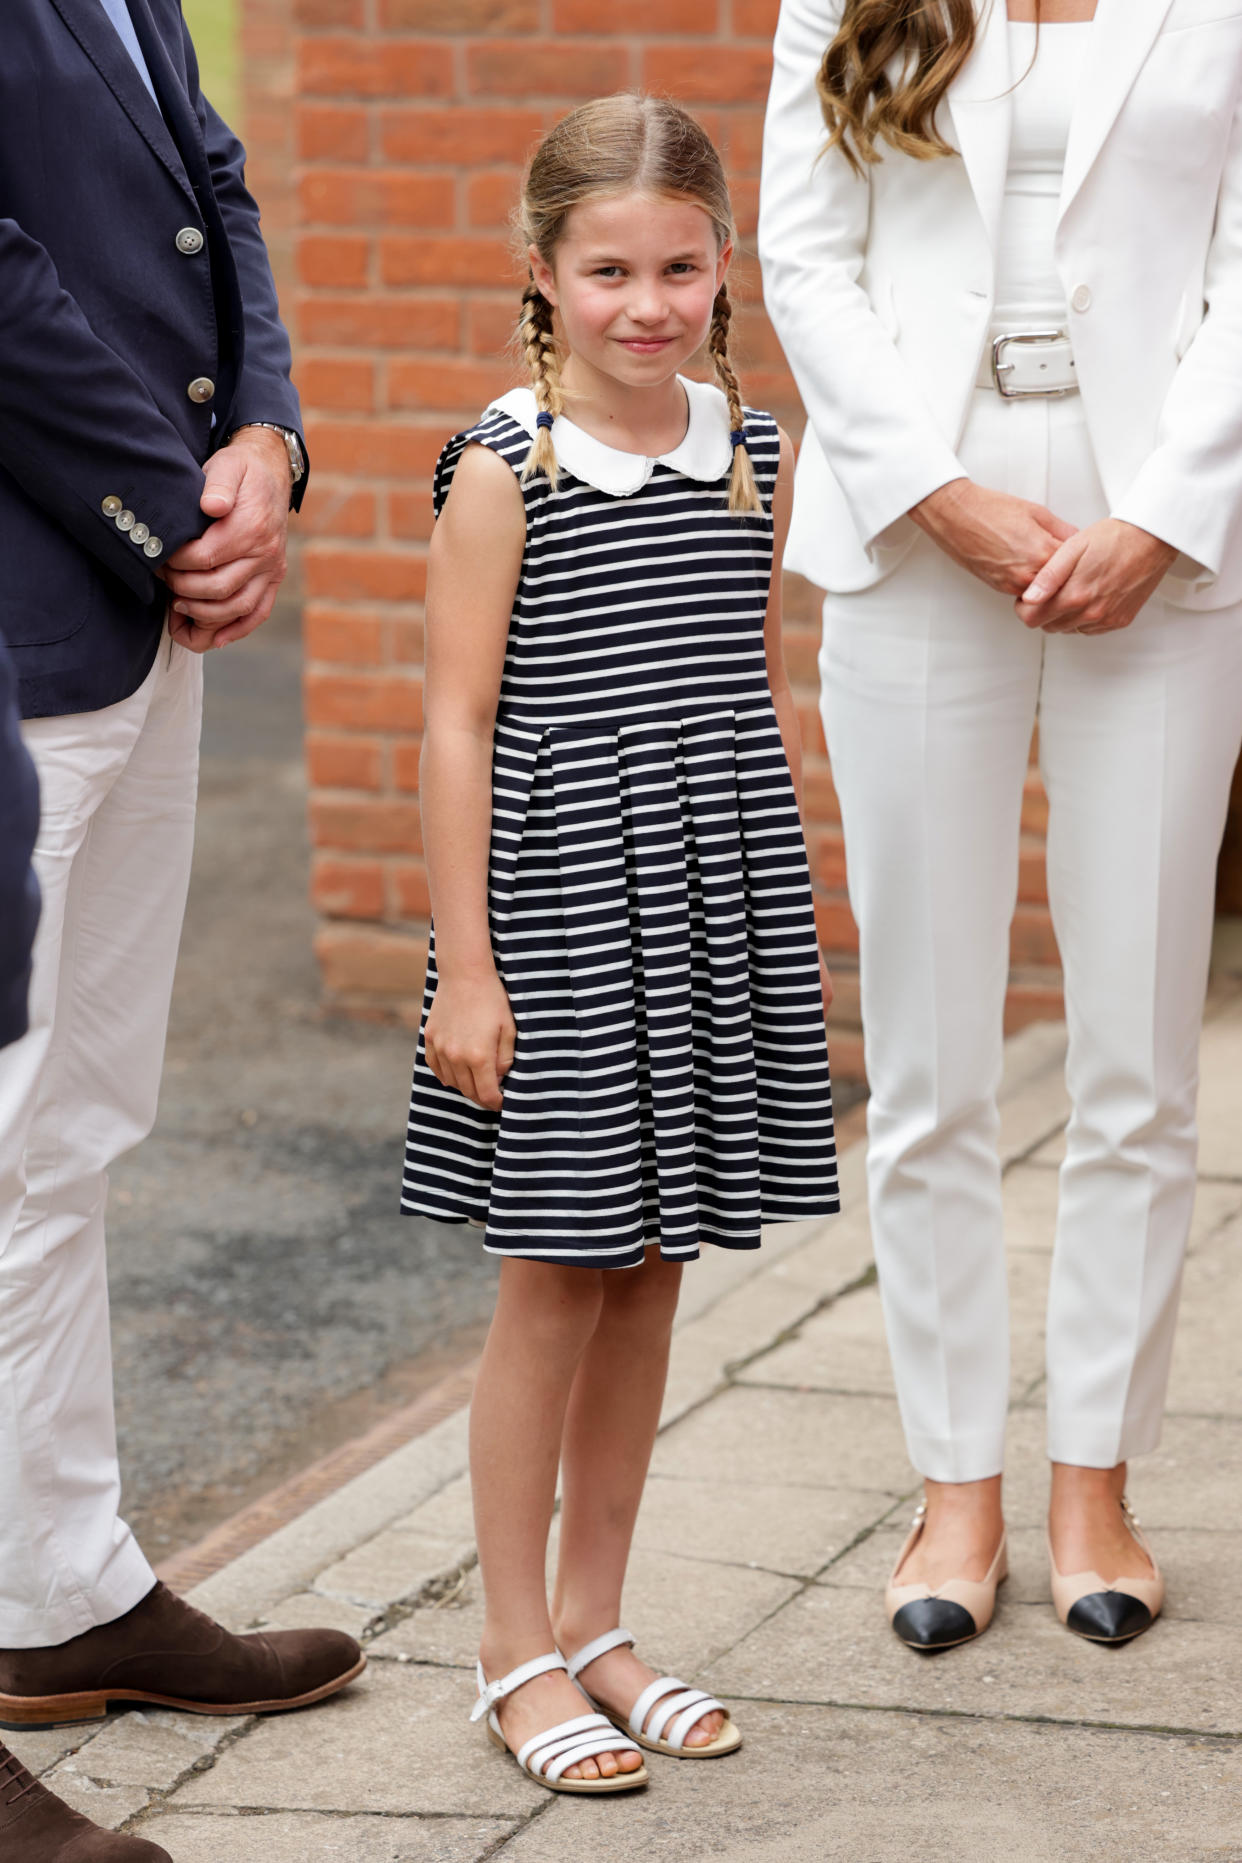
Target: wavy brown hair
617,145
927,42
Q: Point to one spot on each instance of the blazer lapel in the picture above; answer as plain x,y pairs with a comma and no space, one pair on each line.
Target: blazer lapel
981,106
99,39
1122,34
170,89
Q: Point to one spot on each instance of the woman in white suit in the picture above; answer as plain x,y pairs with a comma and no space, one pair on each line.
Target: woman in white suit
1004,255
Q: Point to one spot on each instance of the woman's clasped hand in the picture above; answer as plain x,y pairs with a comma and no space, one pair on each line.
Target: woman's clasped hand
1064,580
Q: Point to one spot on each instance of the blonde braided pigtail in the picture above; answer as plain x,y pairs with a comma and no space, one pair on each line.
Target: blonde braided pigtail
744,496
539,348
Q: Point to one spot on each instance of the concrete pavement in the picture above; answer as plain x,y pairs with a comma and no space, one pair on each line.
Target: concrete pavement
779,1494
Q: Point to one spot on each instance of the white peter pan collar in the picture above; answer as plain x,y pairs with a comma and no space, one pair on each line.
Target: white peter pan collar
705,454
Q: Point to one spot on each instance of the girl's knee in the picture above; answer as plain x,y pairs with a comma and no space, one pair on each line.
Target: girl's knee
551,1302
653,1288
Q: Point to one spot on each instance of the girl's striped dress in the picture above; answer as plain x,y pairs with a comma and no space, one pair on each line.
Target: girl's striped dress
649,897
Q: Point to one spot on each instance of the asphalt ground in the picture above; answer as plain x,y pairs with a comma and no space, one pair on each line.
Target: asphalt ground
269,1302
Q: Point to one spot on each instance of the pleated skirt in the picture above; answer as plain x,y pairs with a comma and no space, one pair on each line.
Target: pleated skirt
652,923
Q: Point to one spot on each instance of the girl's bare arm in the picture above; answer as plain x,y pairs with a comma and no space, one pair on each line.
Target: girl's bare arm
778,677
475,562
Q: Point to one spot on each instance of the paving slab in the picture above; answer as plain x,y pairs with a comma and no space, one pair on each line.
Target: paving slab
1220,1094
41,1748
766,1525
1207,1357
1029,1192
446,1633
292,1837
1033,1100
844,1347
448,1514
830,1646
886,1788
307,1610
398,1742
395,1565
818,1440
109,1806
150,1747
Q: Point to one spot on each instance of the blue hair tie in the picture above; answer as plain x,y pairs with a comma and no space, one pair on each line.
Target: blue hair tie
738,437
543,420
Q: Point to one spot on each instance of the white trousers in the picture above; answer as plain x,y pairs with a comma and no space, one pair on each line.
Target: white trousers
931,687
118,791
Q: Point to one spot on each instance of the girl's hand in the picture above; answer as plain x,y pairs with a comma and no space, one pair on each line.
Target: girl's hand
470,1035
1003,541
825,983
1097,581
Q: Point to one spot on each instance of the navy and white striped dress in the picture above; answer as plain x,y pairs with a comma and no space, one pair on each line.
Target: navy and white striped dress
649,898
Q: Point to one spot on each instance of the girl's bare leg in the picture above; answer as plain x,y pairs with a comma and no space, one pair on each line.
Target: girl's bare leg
545,1316
610,1429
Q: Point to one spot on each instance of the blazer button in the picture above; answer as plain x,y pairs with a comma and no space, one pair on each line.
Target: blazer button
202,388
154,546
125,520
1081,299
140,533
190,240
112,505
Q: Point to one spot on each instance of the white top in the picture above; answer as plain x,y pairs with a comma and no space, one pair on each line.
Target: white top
1029,294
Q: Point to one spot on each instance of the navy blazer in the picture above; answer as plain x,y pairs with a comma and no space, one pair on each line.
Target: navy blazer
131,266
19,892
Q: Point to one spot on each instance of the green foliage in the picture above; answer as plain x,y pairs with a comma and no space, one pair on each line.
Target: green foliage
213,27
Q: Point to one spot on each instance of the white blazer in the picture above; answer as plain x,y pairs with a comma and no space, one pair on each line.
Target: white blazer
881,287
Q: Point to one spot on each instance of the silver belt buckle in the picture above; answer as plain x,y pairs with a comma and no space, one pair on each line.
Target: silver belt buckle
1001,368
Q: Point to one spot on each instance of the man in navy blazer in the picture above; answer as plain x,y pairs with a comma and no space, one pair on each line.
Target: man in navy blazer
149,455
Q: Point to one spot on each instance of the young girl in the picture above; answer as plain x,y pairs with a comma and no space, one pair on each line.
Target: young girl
623,1050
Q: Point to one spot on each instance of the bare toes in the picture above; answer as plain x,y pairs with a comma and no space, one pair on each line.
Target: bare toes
630,1761
607,1764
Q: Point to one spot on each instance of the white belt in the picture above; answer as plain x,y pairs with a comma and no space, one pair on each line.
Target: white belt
1018,363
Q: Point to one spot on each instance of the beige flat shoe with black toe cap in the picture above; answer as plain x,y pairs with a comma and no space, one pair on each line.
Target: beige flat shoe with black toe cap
1107,1611
955,1612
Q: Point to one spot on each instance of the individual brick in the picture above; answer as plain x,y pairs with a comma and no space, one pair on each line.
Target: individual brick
342,635
367,962
364,701
514,68
375,322
366,67
380,574
467,136
351,889
726,74
363,825
334,762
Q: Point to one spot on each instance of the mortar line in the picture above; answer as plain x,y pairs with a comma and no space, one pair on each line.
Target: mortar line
1001,1718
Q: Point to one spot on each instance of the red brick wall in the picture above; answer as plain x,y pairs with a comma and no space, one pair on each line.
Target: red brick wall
412,121
266,62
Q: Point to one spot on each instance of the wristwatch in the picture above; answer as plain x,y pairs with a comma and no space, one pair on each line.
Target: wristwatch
293,446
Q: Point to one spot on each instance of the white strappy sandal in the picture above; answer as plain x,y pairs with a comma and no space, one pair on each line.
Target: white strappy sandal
549,1755
681,1706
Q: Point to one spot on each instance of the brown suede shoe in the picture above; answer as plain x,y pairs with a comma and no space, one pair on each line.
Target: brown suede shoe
166,1653
37,1827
